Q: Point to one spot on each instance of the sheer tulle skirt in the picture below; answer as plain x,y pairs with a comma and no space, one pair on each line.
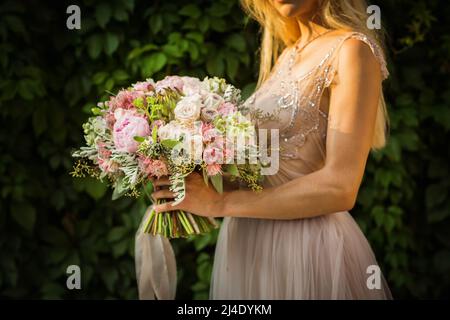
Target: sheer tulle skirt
326,257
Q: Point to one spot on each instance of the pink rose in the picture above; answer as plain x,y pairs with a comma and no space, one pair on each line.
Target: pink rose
127,126
227,108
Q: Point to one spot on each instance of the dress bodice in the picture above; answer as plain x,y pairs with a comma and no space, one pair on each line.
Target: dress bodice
294,102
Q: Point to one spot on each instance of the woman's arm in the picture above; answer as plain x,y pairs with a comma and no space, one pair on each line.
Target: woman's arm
352,113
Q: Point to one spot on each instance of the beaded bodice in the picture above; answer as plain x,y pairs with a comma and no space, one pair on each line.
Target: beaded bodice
293,101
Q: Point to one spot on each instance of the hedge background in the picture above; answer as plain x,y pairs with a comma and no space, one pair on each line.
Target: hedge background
50,77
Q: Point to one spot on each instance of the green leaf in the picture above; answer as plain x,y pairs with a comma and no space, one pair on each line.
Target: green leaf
39,121
139,139
169,143
120,75
190,10
155,23
120,14
94,45
232,169
99,77
237,42
215,65
116,234
103,14
24,215
119,189
120,248
111,43
232,66
217,182
205,176
95,188
109,276
155,134
153,63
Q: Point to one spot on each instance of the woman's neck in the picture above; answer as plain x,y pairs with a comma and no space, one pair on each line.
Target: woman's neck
308,30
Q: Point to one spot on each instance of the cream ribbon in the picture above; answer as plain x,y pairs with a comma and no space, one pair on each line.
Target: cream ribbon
156,271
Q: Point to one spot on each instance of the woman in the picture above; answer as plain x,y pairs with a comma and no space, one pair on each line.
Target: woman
296,239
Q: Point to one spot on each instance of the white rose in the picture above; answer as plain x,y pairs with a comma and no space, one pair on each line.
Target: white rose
172,131
188,108
212,101
191,85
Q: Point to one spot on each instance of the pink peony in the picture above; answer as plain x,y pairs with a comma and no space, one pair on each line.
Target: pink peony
172,82
213,169
124,99
127,126
227,108
110,119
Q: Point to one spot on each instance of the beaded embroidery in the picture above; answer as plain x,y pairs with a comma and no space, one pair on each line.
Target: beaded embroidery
298,98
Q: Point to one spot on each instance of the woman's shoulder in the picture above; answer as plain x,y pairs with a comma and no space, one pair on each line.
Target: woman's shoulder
359,46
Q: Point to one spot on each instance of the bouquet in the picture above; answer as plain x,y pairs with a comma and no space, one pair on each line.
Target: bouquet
173,127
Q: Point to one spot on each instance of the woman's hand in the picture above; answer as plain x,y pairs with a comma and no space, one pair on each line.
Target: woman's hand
200,199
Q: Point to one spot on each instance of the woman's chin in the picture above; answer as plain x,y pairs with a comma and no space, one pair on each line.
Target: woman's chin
288,10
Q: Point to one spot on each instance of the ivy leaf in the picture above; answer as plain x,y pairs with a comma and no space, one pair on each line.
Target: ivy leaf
215,65
103,14
39,121
190,10
24,215
95,188
94,45
153,63
120,75
116,234
111,43
155,23
237,42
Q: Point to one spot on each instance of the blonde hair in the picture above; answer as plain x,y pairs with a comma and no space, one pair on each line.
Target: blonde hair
279,32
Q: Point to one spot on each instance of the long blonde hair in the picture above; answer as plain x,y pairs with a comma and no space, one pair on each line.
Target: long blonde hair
279,32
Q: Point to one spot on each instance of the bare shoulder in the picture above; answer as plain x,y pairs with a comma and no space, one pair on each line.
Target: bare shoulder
356,56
